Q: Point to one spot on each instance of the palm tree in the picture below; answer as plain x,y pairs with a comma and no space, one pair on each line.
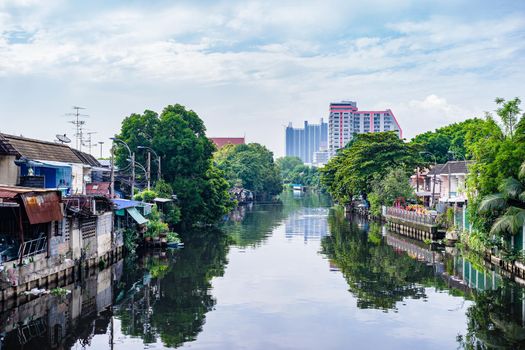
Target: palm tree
510,201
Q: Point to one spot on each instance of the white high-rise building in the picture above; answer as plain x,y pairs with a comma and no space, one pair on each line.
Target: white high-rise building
346,120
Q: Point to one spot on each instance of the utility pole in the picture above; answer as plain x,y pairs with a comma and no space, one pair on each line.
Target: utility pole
132,175
89,142
112,164
79,124
149,170
159,173
101,143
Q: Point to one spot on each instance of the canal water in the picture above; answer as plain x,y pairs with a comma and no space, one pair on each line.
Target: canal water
295,275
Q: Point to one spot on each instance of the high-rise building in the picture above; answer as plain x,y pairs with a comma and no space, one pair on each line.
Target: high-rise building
346,120
304,142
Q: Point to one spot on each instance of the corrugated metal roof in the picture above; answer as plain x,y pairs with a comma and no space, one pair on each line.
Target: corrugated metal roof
38,149
42,207
125,203
134,213
98,188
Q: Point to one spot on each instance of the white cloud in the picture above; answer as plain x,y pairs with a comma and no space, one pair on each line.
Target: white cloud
292,58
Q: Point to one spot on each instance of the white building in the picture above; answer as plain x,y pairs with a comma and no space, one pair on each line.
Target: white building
346,120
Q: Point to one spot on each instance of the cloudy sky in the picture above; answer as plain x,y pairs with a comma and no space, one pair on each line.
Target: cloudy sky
250,67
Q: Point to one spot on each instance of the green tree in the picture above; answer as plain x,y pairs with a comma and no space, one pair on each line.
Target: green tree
366,158
387,188
286,165
179,137
447,142
510,204
497,156
509,112
305,175
250,166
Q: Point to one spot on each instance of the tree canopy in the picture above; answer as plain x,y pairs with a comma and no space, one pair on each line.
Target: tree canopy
447,142
250,166
179,137
293,171
497,152
352,171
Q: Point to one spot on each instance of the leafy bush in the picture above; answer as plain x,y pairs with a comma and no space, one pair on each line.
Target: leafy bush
173,237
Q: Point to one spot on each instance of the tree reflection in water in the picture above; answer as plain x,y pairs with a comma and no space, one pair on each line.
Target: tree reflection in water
496,319
173,304
377,276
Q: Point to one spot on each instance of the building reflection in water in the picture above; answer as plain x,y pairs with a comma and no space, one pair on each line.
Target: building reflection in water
50,322
310,223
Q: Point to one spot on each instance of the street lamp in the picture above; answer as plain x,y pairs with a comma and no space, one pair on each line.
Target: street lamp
137,164
149,161
132,157
435,170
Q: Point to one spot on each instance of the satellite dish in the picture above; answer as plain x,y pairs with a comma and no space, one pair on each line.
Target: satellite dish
63,138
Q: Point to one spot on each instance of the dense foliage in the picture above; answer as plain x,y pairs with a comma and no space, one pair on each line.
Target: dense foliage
497,152
386,189
250,166
367,157
293,171
287,165
178,136
447,142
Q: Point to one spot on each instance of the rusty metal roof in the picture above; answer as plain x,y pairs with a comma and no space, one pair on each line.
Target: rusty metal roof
41,205
41,150
98,188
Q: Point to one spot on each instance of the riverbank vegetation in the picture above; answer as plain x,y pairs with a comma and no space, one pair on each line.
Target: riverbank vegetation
294,171
179,137
377,167
364,163
251,167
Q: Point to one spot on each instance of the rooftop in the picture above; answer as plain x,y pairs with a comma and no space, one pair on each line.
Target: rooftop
223,141
450,167
43,150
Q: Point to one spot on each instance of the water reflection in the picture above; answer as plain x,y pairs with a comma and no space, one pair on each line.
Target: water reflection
277,290
383,270
50,322
377,275
170,300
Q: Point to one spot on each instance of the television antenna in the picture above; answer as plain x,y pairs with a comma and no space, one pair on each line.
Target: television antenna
63,138
89,141
79,125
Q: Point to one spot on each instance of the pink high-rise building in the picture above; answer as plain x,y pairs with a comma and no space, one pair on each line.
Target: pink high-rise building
346,120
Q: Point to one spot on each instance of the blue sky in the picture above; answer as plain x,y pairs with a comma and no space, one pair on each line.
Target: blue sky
250,67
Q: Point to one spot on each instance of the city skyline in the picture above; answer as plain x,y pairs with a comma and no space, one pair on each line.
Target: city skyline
432,64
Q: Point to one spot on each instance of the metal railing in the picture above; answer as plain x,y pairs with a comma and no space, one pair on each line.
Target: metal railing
32,247
411,216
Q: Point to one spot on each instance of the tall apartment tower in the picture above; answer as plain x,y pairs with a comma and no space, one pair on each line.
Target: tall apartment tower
304,142
346,120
